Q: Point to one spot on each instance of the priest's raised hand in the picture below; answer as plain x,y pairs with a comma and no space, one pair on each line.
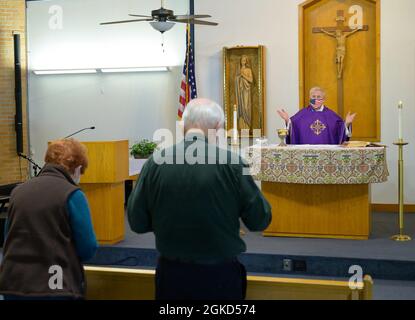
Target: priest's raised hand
284,115
350,118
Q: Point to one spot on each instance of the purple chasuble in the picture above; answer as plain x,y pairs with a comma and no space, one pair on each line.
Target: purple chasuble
314,127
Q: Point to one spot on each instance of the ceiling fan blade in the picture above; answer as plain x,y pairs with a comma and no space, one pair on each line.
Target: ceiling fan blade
196,16
194,21
139,15
125,21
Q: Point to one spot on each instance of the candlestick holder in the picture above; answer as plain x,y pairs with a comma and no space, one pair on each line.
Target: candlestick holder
235,143
235,139
401,237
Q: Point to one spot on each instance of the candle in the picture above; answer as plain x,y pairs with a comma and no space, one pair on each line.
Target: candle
235,124
400,109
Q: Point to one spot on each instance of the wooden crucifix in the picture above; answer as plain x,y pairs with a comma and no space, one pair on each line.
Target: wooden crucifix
340,33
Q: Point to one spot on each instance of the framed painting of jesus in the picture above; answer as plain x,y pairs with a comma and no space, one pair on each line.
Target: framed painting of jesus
244,89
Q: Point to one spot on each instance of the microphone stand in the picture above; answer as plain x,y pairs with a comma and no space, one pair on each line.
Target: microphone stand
35,167
71,135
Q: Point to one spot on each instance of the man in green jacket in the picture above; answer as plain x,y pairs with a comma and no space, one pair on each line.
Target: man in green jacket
192,196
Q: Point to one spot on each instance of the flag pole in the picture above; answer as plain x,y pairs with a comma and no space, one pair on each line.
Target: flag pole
187,63
192,27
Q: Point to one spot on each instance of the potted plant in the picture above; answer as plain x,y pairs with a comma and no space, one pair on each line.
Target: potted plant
143,149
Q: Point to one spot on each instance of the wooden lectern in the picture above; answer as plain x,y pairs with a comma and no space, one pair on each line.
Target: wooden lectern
103,184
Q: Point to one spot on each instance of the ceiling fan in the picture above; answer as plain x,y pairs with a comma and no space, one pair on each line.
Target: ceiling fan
164,19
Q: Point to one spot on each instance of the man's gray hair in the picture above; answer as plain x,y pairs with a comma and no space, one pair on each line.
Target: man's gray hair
203,114
318,89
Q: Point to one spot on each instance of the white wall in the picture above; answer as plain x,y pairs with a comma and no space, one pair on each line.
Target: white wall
398,83
274,23
121,106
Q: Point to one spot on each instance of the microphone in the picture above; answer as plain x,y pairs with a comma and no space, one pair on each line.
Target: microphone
36,167
71,135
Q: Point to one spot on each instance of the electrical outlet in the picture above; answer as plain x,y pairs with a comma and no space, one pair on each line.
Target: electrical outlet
300,265
287,265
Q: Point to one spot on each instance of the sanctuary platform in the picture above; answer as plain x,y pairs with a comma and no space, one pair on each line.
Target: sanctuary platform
379,256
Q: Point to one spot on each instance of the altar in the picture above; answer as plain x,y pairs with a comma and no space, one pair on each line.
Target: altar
319,191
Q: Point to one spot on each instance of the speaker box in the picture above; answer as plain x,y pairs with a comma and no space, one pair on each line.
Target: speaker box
18,94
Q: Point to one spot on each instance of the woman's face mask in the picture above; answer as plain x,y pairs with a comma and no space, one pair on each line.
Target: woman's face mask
76,177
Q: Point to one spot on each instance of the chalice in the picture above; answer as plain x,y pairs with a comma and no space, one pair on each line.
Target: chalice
282,134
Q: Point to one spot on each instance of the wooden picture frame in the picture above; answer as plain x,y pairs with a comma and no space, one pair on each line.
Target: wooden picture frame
244,89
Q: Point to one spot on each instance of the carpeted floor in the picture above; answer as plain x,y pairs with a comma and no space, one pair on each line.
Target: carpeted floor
379,246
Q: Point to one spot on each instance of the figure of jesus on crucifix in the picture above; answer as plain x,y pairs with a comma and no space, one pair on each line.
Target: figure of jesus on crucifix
340,33
341,47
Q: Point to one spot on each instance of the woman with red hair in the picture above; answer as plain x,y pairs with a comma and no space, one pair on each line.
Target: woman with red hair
49,230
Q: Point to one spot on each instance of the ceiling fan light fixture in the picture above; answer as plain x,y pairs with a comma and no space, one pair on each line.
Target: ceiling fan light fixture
162,26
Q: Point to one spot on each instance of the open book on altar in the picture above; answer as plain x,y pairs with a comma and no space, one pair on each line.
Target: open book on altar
361,144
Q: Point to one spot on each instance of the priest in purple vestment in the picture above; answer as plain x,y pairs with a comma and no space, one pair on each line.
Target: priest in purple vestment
317,124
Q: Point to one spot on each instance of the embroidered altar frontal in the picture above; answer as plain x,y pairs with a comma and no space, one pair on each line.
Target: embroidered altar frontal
319,191
319,164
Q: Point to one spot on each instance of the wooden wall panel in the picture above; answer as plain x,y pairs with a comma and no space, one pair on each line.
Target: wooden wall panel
361,76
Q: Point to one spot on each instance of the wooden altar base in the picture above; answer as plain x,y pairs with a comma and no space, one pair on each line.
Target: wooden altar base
319,211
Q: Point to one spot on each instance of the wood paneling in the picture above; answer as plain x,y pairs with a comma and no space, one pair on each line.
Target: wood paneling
361,79
322,211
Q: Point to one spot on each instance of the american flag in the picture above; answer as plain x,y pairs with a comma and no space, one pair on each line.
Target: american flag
188,89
